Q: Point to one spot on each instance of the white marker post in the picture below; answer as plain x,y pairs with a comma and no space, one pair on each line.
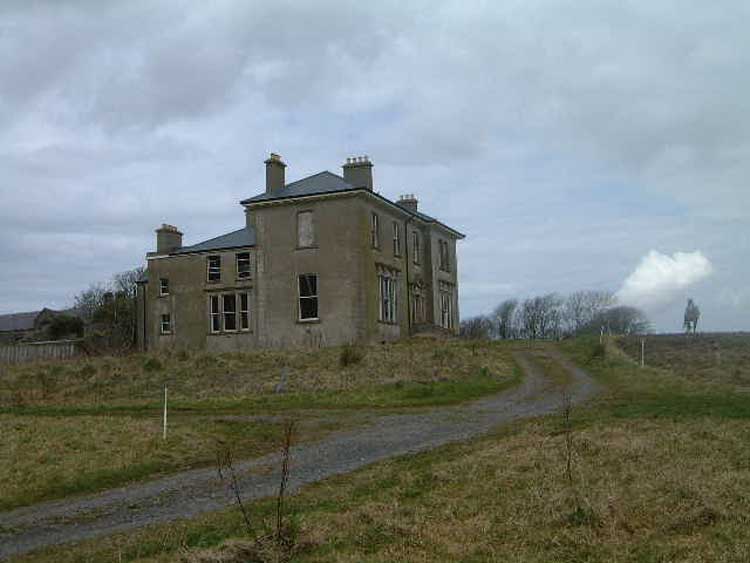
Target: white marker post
643,352
165,412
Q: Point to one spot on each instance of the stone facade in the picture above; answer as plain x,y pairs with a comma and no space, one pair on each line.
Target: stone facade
321,261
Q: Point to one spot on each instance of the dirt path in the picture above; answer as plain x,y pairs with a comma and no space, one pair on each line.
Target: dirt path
188,494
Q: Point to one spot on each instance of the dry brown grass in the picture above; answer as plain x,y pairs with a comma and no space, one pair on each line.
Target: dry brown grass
719,358
139,378
650,487
49,457
651,491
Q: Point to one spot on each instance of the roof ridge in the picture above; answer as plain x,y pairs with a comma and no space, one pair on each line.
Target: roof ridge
313,176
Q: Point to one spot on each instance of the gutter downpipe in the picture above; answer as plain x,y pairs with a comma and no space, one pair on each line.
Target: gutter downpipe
406,256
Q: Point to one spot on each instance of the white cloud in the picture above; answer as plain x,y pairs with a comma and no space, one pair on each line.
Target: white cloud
659,279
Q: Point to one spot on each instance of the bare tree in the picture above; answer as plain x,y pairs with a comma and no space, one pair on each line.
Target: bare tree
504,319
620,320
476,328
88,302
582,306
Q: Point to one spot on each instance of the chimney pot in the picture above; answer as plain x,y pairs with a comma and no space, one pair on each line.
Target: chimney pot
168,238
358,172
409,201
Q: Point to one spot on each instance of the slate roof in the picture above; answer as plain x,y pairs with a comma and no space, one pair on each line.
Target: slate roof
325,183
235,239
18,321
321,183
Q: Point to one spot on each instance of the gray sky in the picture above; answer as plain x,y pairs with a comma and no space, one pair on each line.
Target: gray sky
577,144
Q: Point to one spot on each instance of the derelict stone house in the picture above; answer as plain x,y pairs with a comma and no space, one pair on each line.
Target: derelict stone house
325,260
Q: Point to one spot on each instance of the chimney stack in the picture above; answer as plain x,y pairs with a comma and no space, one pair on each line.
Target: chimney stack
358,172
408,201
274,173
168,238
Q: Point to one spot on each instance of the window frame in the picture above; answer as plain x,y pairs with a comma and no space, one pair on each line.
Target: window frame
445,293
416,243
375,230
217,312
243,312
396,238
228,314
168,323
314,297
214,313
239,257
163,282
213,269
444,255
388,287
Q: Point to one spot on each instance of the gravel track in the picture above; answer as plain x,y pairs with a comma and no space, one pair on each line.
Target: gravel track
191,493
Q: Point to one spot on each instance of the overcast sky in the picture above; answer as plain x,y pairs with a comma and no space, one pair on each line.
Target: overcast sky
601,145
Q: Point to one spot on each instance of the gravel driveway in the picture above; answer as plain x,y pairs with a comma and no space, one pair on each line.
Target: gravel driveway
190,493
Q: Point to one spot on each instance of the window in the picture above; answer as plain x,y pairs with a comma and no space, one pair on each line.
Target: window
243,265
388,283
214,268
163,286
166,324
226,309
417,304
375,231
214,314
415,246
305,229
446,305
308,297
229,310
244,311
396,239
444,256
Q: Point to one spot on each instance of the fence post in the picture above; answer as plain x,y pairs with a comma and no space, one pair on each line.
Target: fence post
643,352
165,413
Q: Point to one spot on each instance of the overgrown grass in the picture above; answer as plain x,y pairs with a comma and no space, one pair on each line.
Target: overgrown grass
44,457
64,438
657,479
633,392
719,358
241,379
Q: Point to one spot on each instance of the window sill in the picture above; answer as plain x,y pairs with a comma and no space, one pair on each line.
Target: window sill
163,295
308,321
314,247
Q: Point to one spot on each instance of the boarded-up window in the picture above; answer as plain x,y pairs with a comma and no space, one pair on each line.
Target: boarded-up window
305,229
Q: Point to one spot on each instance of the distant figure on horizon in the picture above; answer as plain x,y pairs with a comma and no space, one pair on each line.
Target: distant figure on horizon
692,314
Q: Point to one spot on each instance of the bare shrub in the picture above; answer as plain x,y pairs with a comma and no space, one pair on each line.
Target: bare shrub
350,354
279,545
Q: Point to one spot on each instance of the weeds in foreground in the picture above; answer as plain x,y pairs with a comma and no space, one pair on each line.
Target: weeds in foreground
279,545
